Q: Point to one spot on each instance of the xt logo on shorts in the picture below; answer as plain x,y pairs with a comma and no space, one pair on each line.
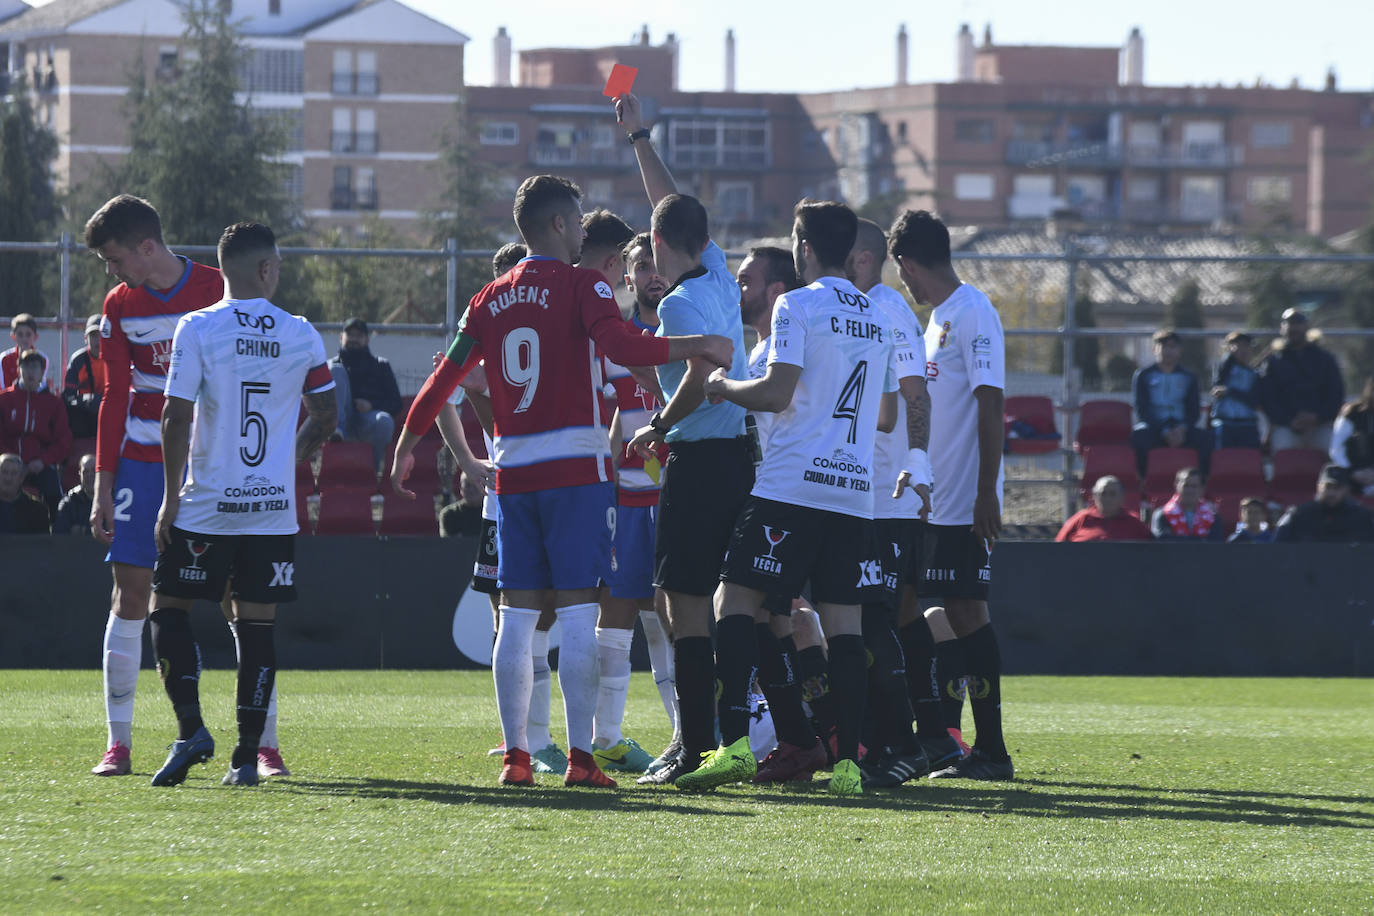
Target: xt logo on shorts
870,573
765,563
194,573
282,574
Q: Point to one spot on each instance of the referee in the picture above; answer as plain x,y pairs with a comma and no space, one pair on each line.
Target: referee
710,469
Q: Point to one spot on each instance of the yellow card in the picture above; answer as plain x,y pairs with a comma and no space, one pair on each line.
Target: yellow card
653,468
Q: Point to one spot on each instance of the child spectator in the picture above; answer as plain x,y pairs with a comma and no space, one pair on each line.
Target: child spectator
24,333
1253,527
1235,396
33,425
84,383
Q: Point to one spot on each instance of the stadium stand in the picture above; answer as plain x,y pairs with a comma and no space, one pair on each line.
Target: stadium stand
1030,425
347,465
1117,460
1236,474
409,517
1103,423
346,511
1163,464
1295,475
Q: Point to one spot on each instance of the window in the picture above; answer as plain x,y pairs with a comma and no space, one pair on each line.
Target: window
734,201
499,133
599,191
974,186
718,142
1032,197
272,70
365,189
975,130
294,184
365,137
274,7
1269,189
604,137
366,80
1083,189
901,131
1271,135
1200,198
342,82
1146,134
341,194
1142,190
341,137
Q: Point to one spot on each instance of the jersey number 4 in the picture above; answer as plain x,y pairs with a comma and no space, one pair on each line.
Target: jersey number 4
851,397
253,425
520,364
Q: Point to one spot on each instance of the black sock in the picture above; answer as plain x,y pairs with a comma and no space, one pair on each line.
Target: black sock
257,672
923,683
848,676
695,672
813,670
949,673
887,687
736,660
778,678
985,689
178,661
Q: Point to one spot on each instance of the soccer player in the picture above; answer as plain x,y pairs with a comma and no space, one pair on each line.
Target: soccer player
238,372
710,469
156,288
831,357
539,328
966,369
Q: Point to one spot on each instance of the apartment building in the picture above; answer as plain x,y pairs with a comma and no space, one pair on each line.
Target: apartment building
364,88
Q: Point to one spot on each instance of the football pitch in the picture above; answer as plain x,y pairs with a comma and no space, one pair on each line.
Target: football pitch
1134,795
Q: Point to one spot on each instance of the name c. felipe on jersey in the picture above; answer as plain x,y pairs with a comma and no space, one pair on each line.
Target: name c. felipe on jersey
245,363
136,346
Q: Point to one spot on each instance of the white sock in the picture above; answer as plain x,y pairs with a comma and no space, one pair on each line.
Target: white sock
537,724
578,672
122,658
269,728
513,672
613,652
661,660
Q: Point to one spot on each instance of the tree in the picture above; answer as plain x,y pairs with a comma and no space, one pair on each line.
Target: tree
1087,350
1184,310
1270,294
466,190
28,207
1358,307
338,288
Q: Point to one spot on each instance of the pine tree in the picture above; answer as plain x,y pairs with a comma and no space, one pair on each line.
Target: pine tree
28,207
1184,310
1270,294
466,189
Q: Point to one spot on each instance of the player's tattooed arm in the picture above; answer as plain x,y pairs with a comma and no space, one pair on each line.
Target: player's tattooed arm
323,418
917,412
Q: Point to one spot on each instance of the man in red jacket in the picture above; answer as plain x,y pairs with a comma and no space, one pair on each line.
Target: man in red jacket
1106,519
33,425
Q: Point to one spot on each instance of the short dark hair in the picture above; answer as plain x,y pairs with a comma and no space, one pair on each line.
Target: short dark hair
30,356
355,324
245,240
778,266
1338,475
539,197
680,220
1249,501
829,227
641,240
1237,337
1181,477
24,320
506,257
124,219
1165,334
920,236
871,238
605,231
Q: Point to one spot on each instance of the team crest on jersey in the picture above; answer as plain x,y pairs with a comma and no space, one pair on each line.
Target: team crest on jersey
944,335
766,563
162,353
603,289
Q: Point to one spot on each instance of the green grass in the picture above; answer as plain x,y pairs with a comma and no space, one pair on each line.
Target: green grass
1133,795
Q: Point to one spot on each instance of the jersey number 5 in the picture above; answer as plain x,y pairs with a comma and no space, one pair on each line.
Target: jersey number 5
851,397
520,364
253,425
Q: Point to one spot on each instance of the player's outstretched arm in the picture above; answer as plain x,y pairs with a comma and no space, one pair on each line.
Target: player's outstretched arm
176,446
772,393
658,181
451,429
322,418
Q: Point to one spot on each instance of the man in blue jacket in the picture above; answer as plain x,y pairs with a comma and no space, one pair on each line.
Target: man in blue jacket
1301,390
366,389
1167,405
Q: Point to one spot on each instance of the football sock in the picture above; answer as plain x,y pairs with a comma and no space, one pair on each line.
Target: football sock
949,673
985,689
123,657
513,672
661,660
695,668
923,684
257,675
736,659
815,686
578,673
613,651
269,725
887,684
778,678
178,661
848,678
541,694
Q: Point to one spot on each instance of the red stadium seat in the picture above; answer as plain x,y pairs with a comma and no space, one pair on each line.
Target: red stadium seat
409,517
1295,475
71,467
425,475
1116,460
1037,412
1103,423
1161,467
345,512
347,464
1236,472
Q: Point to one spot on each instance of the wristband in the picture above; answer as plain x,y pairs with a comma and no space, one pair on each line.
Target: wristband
643,132
656,424
918,466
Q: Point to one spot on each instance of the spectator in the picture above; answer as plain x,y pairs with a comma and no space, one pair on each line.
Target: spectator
1300,389
1235,396
464,517
1332,516
1187,516
24,333
74,512
84,383
20,513
1105,519
33,424
1352,440
366,389
1254,523
1166,404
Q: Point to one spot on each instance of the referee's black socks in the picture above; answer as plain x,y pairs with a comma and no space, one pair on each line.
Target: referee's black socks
256,675
178,661
694,669
984,663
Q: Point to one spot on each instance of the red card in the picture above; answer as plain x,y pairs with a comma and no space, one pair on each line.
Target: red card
622,78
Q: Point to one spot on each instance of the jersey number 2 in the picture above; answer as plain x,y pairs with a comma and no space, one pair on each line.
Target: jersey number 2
851,396
520,364
253,425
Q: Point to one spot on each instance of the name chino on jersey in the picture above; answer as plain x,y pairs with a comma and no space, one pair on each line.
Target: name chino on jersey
820,448
245,364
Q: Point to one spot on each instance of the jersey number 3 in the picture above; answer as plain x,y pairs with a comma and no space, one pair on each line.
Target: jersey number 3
520,364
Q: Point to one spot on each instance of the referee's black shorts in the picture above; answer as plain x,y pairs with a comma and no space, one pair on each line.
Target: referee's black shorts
705,484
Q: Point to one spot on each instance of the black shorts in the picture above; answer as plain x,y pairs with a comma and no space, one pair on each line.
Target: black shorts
777,547
484,567
904,548
261,567
959,565
705,485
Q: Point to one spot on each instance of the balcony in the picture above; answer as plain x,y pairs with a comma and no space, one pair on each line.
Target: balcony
1110,155
347,141
713,157
354,84
547,154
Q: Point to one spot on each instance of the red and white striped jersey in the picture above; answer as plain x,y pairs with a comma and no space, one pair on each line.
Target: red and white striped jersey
634,485
136,347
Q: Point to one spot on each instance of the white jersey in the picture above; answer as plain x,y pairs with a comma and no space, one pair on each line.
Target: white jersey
965,349
890,449
245,363
820,449
757,367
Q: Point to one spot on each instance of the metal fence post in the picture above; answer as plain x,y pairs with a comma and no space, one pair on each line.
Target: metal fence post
64,311
1069,395
451,303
